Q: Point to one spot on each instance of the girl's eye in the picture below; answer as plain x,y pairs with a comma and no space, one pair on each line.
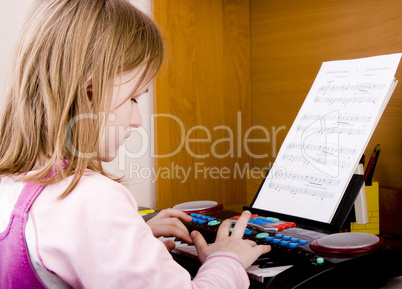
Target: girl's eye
134,100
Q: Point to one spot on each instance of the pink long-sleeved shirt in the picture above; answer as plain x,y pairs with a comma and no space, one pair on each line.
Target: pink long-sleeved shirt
95,238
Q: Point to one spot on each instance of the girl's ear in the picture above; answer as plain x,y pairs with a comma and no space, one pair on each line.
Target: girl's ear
89,89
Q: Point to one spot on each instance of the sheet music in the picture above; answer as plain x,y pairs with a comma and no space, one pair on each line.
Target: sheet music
328,137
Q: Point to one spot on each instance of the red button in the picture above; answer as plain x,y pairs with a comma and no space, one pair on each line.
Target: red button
291,224
236,217
254,215
279,227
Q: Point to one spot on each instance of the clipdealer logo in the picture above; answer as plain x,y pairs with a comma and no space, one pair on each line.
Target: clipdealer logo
200,171
324,135
231,143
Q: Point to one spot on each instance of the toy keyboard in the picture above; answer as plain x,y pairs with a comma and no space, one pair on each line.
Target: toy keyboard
291,263
289,245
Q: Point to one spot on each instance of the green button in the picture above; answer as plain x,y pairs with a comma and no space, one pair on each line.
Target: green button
262,235
320,261
214,223
273,219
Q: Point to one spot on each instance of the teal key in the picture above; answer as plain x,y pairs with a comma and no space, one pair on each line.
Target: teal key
273,219
262,235
214,223
320,260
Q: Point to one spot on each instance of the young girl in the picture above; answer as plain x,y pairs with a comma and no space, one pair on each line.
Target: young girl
79,71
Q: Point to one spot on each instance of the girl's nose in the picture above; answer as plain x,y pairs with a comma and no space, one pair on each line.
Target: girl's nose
136,119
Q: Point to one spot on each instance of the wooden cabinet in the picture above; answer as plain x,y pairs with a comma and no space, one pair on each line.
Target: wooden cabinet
258,59
203,101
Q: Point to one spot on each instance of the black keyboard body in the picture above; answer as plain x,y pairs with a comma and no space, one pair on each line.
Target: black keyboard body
310,270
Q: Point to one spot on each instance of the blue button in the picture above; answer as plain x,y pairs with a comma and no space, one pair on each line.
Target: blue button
193,214
284,243
210,219
195,220
251,221
278,236
302,242
204,217
262,220
269,239
294,240
286,238
201,222
259,222
276,241
292,245
247,232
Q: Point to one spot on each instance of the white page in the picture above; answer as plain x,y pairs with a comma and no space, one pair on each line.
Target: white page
328,137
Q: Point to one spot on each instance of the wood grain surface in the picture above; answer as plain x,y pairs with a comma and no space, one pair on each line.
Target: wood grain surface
260,58
204,91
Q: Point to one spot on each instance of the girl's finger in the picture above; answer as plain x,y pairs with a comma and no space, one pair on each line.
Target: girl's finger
223,231
200,244
241,224
170,245
174,213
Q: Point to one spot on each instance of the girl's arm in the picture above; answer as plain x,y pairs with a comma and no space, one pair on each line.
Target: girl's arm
95,238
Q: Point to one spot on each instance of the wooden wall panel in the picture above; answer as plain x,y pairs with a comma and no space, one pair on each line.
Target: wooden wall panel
208,77
290,40
203,92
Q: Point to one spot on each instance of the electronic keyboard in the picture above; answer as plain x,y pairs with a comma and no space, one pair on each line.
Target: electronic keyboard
292,261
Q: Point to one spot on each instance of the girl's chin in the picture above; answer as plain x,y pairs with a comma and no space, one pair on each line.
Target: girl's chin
111,155
108,159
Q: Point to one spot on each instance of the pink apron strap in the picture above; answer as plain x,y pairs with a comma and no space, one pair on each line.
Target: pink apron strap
16,270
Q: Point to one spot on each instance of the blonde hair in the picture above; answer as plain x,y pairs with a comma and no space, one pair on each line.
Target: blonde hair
64,44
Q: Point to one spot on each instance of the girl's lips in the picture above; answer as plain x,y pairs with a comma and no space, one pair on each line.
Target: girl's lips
128,133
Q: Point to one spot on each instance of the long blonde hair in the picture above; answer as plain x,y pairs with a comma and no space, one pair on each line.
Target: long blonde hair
63,44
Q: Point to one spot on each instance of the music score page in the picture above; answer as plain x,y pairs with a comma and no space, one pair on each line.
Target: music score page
328,137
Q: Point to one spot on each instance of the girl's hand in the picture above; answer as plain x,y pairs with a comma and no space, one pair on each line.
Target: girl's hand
247,250
167,223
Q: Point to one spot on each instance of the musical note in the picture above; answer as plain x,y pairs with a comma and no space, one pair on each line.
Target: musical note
313,129
341,118
314,180
366,87
322,148
319,159
347,100
280,188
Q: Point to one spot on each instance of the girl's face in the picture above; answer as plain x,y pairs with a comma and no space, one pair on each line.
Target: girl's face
124,114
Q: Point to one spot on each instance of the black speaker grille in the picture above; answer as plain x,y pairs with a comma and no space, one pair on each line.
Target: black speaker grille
348,241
